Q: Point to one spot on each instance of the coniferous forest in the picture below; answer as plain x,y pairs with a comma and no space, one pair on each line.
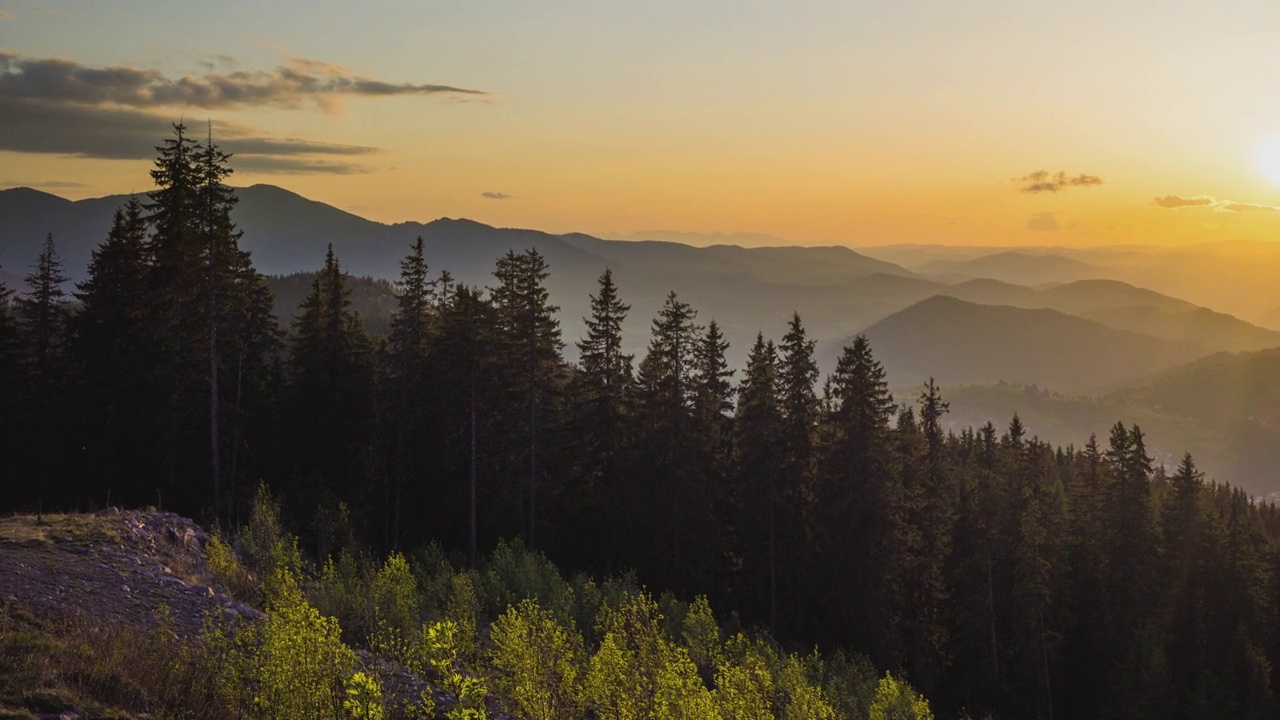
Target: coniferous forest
999,575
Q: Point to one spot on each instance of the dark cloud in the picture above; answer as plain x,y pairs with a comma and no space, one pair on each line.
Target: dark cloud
1245,207
46,184
1174,202
115,133
1042,181
495,195
299,83
1044,222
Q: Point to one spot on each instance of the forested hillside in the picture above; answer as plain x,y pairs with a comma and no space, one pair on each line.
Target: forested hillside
998,574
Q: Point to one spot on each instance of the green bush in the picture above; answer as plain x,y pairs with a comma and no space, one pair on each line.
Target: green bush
538,662
896,700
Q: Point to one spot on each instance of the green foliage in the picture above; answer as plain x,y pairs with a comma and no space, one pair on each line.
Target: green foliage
538,662
227,571
364,697
302,665
896,700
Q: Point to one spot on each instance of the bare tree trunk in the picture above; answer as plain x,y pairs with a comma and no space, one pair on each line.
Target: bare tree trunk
473,471
215,454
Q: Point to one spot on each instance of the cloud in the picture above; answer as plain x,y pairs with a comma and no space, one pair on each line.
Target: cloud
48,184
1044,222
495,195
1174,202
5,15
299,83
58,106
1042,181
117,133
1244,207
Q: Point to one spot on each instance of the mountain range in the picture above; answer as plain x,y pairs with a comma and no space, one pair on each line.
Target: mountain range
1058,319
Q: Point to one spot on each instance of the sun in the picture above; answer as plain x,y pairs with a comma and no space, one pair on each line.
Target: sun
1269,158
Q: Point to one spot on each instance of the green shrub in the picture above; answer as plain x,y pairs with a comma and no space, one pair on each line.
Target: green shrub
364,697
302,664
897,700
538,662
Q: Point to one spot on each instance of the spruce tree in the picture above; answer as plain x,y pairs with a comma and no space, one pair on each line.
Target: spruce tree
413,325
529,337
330,392
668,449
862,508
603,396
758,462
799,407
112,353
42,317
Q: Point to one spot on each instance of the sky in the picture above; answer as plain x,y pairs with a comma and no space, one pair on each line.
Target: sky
1004,122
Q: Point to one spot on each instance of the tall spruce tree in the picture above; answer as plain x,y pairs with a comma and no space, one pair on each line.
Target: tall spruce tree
42,316
758,467
111,349
529,337
603,394
862,509
330,393
667,446
413,326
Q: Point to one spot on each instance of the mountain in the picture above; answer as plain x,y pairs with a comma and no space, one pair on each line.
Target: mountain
1219,388
960,342
1200,325
745,289
1241,451
1015,267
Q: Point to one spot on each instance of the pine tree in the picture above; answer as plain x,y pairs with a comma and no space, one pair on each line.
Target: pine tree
668,448
112,353
412,330
330,391
603,395
42,316
800,411
862,509
758,462
1129,577
529,335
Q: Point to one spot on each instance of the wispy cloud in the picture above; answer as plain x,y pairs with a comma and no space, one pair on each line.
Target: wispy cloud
1044,222
298,83
1042,181
116,133
46,184
1174,202
1245,207
495,196
5,15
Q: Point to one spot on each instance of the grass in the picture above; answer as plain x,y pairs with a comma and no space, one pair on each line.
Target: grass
53,528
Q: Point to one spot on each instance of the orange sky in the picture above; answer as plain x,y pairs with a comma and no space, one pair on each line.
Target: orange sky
865,123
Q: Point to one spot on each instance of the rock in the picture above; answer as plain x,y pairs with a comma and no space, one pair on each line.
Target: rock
125,589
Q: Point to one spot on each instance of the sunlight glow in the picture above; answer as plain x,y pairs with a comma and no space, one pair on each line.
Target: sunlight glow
1269,159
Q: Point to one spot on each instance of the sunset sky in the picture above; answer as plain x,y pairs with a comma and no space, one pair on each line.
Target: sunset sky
980,122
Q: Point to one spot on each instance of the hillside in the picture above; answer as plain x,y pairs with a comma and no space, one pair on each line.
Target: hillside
1017,267
958,342
1224,387
1201,325
1242,452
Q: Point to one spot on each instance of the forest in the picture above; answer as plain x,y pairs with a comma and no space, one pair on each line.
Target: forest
998,575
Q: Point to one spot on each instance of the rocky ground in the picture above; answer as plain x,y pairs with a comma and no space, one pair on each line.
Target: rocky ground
125,568
111,567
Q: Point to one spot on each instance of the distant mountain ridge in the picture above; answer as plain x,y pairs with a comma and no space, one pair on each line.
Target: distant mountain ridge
958,343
